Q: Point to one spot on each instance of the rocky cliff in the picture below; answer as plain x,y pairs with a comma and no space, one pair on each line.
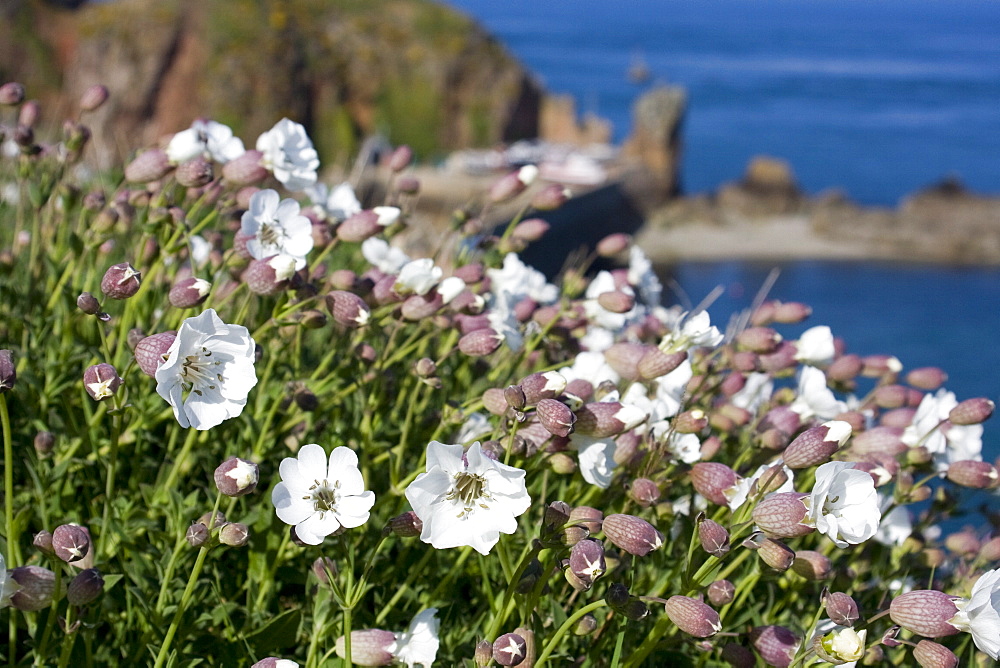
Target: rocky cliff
413,69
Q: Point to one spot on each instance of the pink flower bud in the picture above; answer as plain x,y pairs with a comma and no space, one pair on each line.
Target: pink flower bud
930,654
587,517
973,474
85,587
841,608
418,307
738,656
480,343
189,292
495,401
370,647
586,561
101,381
844,368
972,411
236,477
692,616
400,158
28,115
88,303
120,281
990,550
150,165
197,534
151,352
359,226
38,586
551,197
925,612
721,592
927,378
780,515
879,440
898,417
604,419
774,553
347,308
11,94
617,301
775,644
245,170
812,565
194,173
624,357
759,339
538,386
632,534
964,543
531,229
644,491
269,275
712,479
93,98
763,315
234,534
513,184
789,313
713,537
70,542
880,366
510,649
656,363
890,396
555,416
407,525
613,244
816,445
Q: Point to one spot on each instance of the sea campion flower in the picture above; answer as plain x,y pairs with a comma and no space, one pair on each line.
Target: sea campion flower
8,586
208,139
318,497
289,154
815,346
208,371
387,259
980,614
692,331
945,441
274,226
376,647
843,504
466,499
339,203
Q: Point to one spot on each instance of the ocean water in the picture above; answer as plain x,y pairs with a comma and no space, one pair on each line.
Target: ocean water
875,97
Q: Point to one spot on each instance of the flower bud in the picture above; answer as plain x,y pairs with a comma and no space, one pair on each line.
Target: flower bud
151,351
347,308
880,366
360,226
236,477
789,313
88,303
551,197
234,534
738,656
555,416
879,440
925,612
150,165
194,173
890,396
812,565
495,402
509,649
269,275
480,343
43,543
400,158
93,98
840,645
418,307
972,411
407,525
44,442
538,386
644,491
613,244
245,170
656,363
693,617
774,553
275,662
927,378
189,292
197,534
514,396
370,647
780,515
532,229
11,94
604,419
617,301
775,644
714,537
712,479
990,550
85,587
930,654
632,534
759,339
513,184
586,561
816,445
841,608
973,474
38,586
120,281
721,592
70,542
586,517
101,381
844,368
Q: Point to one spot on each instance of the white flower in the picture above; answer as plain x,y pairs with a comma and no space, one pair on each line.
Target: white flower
8,586
208,371
522,281
466,499
289,154
946,442
338,204
814,398
737,495
692,331
476,426
756,390
209,139
318,498
201,250
642,276
597,314
841,643
980,615
815,346
418,276
591,367
274,226
685,447
504,321
896,525
382,256
419,643
596,458
843,504
450,288
386,215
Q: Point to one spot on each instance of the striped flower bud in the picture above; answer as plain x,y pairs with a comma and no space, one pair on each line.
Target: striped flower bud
616,301
644,491
816,445
480,343
11,94
721,592
483,656
101,381
150,165
400,158
925,612
538,386
973,474
70,542
930,654
713,537
513,184
759,339
774,553
880,366
510,649
234,534
551,197
120,281
690,422
556,417
712,479
93,97
586,561
613,244
236,477
369,647
531,229
245,170
927,378
586,517
85,587
780,515
360,226
656,363
812,565
777,645
151,351
632,534
347,308
972,411
418,307
269,275
407,525
782,359
890,396
604,419
194,173
789,313
495,402
844,368
692,616
624,358
841,608
8,371
197,534
738,656
38,586
189,292
879,440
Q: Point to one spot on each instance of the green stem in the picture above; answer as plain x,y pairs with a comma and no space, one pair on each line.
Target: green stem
13,549
570,622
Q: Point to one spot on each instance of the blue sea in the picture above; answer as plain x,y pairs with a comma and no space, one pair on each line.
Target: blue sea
875,97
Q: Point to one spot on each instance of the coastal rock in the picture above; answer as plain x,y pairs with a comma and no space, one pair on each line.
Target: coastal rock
655,141
768,188
558,123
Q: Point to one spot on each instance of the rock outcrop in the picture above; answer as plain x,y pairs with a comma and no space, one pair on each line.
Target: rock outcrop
655,142
424,74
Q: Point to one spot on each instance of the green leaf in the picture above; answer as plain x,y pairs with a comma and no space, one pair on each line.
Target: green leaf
282,631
